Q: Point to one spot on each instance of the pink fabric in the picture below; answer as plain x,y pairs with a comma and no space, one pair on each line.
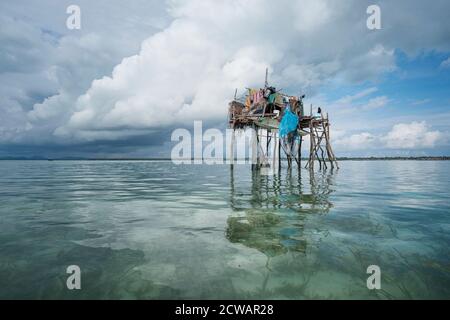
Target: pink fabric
258,96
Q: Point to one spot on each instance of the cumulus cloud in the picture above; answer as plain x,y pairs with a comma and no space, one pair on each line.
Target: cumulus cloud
358,141
121,78
44,67
414,135
411,136
189,70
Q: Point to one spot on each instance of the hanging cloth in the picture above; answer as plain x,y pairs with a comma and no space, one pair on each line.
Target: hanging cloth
272,97
248,102
279,99
288,123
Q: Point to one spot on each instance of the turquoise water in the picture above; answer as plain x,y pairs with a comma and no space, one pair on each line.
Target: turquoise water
150,230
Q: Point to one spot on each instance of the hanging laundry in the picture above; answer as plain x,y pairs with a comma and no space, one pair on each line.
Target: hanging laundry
257,96
279,99
272,97
293,103
248,102
260,95
288,123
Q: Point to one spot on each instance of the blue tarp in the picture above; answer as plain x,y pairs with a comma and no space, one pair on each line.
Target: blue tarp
288,123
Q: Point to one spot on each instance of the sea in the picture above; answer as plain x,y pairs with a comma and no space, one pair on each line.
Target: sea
157,230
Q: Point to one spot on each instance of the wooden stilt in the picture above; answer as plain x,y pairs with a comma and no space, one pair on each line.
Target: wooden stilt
300,151
279,152
231,155
330,153
276,154
254,144
320,157
232,190
312,146
320,146
258,153
329,145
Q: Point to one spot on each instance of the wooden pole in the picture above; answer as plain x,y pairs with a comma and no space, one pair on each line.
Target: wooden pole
322,153
233,141
266,82
316,147
254,147
329,146
311,145
258,147
279,152
288,154
300,151
233,197
331,156
276,154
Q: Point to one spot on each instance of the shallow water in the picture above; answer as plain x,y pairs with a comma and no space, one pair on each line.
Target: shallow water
151,229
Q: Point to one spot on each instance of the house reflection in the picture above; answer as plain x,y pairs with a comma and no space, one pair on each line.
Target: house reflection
273,213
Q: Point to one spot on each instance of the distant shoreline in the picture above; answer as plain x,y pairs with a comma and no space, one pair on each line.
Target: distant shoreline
393,158
440,158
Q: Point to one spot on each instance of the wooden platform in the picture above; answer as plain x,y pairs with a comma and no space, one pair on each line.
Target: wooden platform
317,128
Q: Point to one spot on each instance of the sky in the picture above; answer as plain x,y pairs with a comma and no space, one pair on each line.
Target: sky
137,70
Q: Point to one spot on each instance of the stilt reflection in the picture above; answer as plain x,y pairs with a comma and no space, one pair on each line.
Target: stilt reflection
272,214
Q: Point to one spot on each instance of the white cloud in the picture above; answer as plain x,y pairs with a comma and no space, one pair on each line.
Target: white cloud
375,103
359,141
310,76
205,50
349,99
414,135
189,70
411,136
356,104
44,67
376,61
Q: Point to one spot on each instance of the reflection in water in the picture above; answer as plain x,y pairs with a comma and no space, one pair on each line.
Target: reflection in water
312,254
145,230
273,217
